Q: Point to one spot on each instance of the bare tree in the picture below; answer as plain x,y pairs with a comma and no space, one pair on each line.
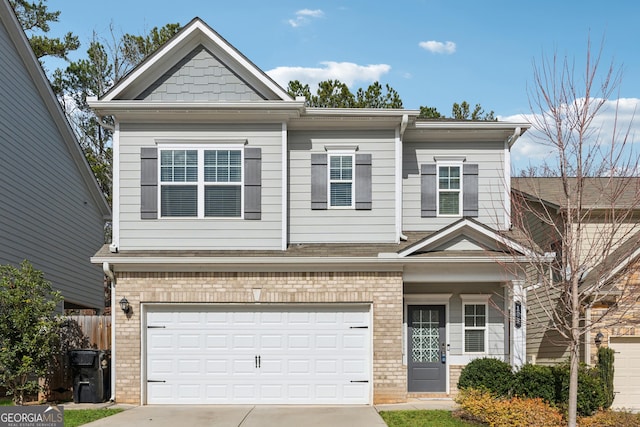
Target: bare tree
580,204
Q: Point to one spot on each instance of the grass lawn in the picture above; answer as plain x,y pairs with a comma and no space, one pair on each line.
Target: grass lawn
77,417
439,418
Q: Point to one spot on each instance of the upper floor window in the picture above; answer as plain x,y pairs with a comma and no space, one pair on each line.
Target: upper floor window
201,182
341,181
449,190
217,180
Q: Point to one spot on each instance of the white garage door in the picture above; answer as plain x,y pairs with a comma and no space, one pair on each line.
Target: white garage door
266,354
627,372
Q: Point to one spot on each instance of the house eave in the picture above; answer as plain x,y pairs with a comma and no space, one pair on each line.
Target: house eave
356,263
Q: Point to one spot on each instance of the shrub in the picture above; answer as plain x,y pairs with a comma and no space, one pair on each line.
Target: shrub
487,373
605,368
591,395
611,419
535,381
481,406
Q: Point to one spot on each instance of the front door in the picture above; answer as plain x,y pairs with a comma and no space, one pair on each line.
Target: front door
427,348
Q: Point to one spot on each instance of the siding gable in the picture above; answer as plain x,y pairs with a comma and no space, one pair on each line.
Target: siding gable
200,76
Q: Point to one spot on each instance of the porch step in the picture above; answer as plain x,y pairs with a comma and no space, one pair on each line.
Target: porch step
429,396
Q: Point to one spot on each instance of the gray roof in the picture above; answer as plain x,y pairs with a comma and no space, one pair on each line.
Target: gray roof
598,192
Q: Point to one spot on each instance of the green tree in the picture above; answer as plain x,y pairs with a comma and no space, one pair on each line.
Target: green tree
429,113
373,97
460,111
335,94
463,111
34,18
29,329
105,64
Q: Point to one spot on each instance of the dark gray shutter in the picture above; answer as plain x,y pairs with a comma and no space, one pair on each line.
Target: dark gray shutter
470,190
363,181
319,181
252,183
149,183
428,191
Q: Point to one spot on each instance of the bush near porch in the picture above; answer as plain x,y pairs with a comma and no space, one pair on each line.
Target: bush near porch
550,384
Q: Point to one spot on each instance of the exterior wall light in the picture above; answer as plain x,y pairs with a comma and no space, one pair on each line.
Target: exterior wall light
124,305
598,338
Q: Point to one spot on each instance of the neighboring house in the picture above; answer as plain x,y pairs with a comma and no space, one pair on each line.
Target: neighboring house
274,253
52,212
615,314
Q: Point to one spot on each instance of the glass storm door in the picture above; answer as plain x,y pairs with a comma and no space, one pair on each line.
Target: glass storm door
426,355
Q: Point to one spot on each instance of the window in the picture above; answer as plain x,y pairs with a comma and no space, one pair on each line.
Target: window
475,324
201,182
341,180
449,190
475,310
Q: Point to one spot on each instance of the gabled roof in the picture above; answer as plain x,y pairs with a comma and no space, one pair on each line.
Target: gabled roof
619,262
476,234
194,35
598,193
37,75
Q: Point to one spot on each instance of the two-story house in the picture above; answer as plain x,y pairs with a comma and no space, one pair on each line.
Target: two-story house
52,212
274,253
610,282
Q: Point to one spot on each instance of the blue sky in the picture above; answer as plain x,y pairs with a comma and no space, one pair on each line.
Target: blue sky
434,53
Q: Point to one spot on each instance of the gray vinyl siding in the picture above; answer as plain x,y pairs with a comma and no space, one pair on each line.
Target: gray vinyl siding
47,213
200,76
491,184
342,225
200,234
496,328
544,344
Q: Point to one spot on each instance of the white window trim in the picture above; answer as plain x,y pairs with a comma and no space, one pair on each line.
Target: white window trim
200,183
476,299
449,163
352,154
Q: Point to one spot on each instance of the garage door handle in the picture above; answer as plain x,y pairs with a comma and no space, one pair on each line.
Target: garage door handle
257,359
358,327
156,381
359,381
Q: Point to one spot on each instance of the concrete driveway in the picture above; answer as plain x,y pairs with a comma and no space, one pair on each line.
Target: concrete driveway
244,416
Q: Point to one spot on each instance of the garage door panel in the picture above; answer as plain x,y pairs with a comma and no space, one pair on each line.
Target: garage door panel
627,372
307,355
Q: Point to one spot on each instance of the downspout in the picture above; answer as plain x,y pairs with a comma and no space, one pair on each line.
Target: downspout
112,278
399,192
507,175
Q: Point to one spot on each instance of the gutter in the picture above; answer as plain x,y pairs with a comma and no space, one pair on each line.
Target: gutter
106,267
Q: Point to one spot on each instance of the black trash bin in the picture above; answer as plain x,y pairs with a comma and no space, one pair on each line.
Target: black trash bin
91,375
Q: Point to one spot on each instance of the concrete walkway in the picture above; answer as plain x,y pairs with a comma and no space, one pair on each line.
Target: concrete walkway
254,415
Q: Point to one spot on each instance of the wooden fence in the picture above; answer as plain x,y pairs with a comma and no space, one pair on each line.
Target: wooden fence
78,332
96,330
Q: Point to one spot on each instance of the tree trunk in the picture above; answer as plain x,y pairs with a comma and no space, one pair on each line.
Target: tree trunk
574,355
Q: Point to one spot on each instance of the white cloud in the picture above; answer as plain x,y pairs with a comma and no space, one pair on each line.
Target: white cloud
438,47
347,72
303,17
612,122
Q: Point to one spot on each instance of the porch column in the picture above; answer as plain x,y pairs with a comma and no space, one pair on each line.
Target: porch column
518,317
